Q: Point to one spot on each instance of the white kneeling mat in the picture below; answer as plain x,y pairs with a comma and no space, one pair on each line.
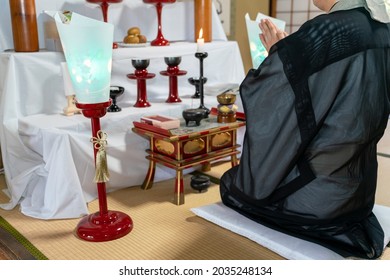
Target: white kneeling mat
287,246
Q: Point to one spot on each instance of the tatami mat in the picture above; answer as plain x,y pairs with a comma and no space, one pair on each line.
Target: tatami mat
162,230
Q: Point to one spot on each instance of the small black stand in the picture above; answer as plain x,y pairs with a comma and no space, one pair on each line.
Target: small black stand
195,82
196,115
201,56
115,91
200,182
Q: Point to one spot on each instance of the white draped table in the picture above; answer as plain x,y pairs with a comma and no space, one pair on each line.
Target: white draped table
48,157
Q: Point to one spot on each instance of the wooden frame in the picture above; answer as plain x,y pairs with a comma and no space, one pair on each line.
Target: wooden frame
295,15
219,5
272,8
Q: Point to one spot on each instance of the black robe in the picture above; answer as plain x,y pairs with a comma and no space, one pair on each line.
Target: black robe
315,110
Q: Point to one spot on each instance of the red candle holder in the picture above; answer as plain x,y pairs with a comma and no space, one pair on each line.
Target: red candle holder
141,75
173,72
104,225
104,6
160,40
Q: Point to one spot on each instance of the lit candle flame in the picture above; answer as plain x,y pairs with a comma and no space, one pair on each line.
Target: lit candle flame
200,33
200,41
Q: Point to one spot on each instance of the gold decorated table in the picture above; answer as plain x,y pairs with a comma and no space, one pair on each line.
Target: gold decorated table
185,147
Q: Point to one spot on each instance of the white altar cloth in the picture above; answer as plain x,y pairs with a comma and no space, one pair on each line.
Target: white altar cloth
47,157
58,159
177,19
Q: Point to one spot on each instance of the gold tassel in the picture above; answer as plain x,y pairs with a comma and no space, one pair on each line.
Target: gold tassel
101,167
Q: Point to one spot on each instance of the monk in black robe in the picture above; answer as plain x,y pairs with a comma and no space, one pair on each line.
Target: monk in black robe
315,109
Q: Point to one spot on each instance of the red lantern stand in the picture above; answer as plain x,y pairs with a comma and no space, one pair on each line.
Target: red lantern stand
104,225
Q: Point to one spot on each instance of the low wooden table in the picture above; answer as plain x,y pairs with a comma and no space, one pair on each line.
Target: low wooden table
186,147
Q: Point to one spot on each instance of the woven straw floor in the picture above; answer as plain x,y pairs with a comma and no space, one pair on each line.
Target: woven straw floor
162,231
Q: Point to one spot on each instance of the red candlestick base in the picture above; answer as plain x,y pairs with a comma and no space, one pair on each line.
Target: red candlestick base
104,225
141,76
160,40
97,228
104,5
173,73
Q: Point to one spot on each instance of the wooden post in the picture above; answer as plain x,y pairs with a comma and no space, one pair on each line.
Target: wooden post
203,19
272,8
24,25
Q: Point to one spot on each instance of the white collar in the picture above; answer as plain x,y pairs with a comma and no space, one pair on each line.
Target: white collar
378,9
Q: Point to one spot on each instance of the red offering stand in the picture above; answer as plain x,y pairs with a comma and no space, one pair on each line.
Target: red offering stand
104,5
160,40
141,74
173,72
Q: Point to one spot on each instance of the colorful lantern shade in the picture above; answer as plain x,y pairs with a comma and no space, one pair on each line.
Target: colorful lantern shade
87,45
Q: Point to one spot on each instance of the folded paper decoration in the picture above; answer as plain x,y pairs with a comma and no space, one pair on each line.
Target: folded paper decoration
258,51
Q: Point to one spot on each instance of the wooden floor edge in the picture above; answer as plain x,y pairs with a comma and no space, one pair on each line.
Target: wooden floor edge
15,245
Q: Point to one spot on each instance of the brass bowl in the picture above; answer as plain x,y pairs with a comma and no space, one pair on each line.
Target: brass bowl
226,98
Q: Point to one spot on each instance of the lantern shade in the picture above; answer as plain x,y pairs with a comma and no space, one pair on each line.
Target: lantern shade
87,45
